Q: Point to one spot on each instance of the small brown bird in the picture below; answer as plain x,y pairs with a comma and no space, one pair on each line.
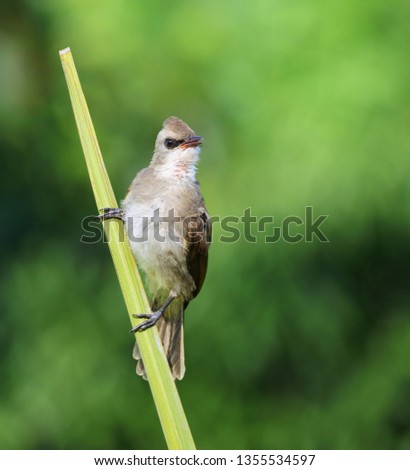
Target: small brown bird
170,232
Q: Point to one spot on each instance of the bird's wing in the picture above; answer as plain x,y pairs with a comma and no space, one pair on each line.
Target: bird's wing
197,237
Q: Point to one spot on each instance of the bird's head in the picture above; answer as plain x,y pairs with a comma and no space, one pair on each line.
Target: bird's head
176,149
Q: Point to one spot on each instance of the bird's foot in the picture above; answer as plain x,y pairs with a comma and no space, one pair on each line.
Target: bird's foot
111,213
151,320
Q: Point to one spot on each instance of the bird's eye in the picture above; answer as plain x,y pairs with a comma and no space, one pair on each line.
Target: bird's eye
170,143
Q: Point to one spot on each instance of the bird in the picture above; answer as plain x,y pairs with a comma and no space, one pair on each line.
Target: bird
170,232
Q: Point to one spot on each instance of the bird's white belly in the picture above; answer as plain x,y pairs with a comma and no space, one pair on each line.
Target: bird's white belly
157,247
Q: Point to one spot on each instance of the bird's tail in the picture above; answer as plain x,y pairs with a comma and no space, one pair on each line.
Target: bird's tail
171,331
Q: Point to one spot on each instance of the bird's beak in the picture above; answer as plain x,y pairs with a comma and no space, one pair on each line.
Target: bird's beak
193,141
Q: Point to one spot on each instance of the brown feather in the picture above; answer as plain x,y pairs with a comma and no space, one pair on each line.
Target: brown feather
198,235
171,332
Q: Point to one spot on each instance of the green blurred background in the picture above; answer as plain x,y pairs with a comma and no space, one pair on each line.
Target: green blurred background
289,345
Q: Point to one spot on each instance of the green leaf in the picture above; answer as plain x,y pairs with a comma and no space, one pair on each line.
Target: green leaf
170,411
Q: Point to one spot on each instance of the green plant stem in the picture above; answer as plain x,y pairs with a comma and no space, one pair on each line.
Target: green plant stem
171,413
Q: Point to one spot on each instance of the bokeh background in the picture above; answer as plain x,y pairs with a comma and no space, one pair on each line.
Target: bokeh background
302,103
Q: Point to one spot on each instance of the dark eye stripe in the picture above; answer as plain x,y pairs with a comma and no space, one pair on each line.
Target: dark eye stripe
172,143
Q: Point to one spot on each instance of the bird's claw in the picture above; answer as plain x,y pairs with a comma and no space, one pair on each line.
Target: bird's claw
142,315
151,320
111,213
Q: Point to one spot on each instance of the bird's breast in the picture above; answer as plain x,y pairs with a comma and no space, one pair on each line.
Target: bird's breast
155,232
